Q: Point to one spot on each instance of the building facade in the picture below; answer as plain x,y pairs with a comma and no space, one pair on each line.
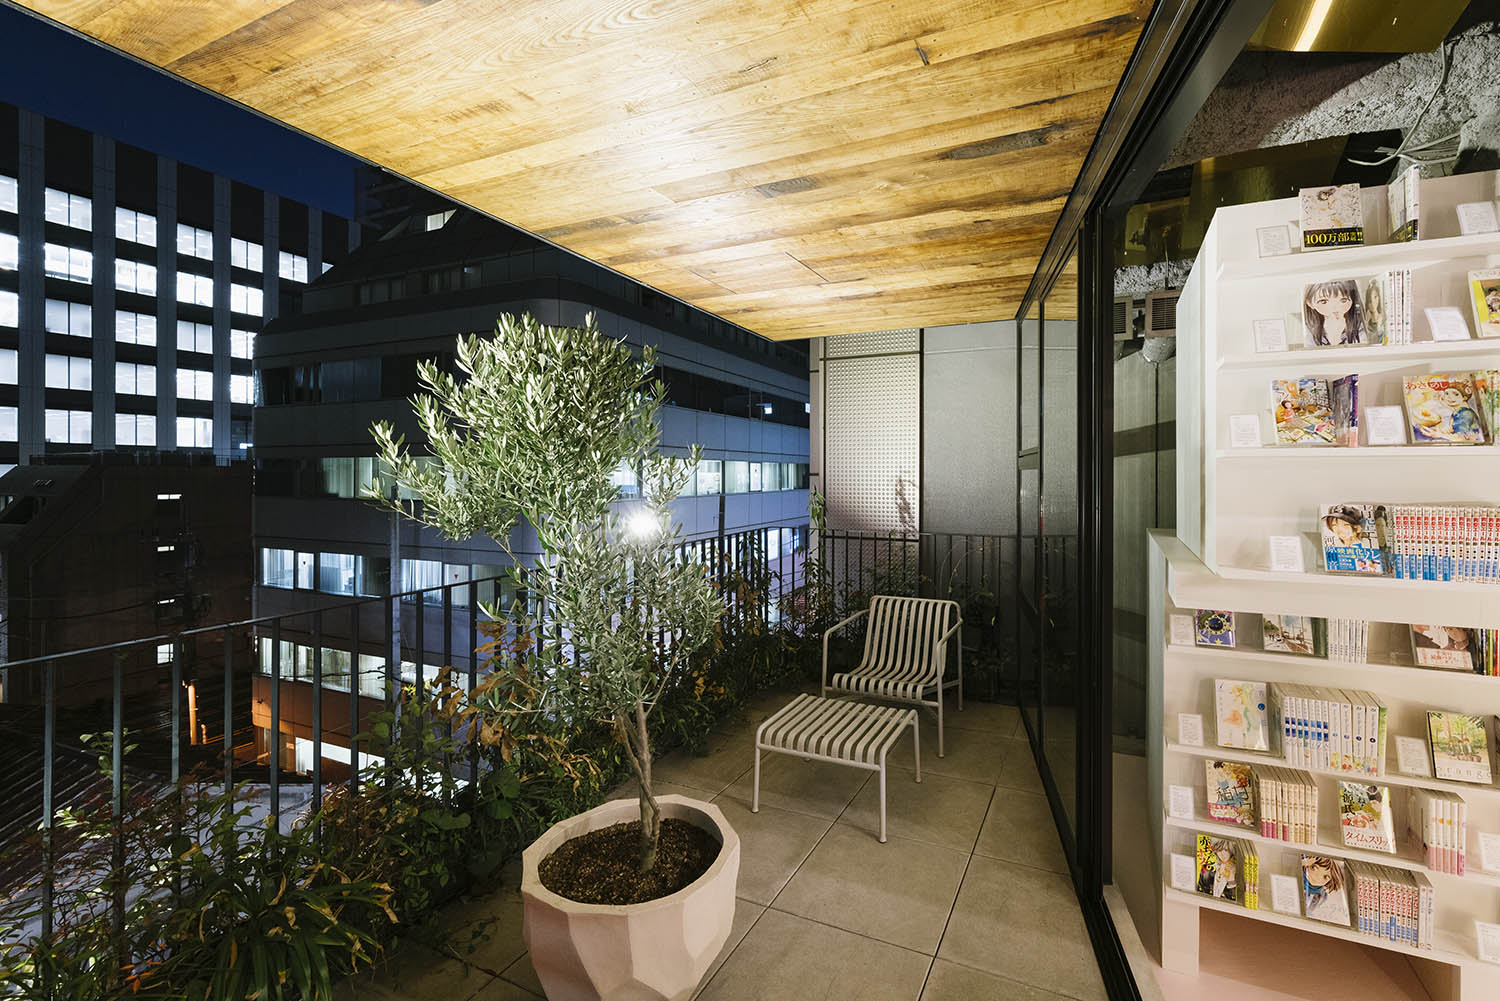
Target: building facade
132,288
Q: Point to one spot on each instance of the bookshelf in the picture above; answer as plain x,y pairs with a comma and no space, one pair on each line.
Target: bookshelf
1231,500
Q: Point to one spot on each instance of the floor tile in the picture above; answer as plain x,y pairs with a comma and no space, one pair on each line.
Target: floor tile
1022,924
939,810
816,788
484,931
1019,768
417,973
746,914
951,982
523,974
787,958
975,755
1019,828
502,990
899,892
630,789
773,843
975,715
712,772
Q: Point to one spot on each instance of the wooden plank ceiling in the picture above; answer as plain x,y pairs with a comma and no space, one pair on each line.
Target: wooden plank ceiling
799,167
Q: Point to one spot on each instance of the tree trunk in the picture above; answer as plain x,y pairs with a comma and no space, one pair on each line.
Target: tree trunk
633,736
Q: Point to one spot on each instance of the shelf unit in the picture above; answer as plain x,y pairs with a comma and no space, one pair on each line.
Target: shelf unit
1231,500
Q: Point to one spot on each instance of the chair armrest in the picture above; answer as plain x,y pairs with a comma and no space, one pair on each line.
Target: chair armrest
830,633
948,635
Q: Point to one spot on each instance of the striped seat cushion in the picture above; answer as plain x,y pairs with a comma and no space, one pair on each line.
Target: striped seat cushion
903,657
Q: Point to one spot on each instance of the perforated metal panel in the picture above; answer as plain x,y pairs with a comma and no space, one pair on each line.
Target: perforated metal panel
874,342
873,437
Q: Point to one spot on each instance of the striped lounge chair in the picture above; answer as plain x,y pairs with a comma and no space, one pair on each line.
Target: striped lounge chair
906,654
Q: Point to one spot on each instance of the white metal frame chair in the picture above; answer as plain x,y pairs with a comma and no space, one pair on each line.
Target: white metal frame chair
906,654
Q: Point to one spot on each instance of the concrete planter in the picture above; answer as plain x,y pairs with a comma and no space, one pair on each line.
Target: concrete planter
654,951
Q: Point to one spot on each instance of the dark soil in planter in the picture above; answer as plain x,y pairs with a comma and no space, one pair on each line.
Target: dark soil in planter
603,866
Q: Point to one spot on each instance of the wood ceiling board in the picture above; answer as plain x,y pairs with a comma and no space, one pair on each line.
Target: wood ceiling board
787,162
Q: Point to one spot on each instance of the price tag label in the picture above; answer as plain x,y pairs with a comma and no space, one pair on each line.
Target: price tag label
1183,872
1489,941
1270,335
1477,217
1284,895
1489,851
1385,425
1190,729
1447,323
1273,241
1182,630
1244,431
1286,553
1180,802
1411,757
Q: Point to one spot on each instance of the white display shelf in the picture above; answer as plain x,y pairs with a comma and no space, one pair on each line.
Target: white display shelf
1345,359
1446,947
1363,259
1329,843
1477,454
1391,776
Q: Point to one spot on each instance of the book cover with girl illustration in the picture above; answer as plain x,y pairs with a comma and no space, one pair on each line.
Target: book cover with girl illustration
1442,409
1484,294
1354,538
1303,411
1240,712
1323,895
1441,646
1229,792
1365,816
1460,746
1218,867
1332,314
1332,216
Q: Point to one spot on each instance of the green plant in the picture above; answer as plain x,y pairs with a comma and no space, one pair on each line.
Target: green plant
535,429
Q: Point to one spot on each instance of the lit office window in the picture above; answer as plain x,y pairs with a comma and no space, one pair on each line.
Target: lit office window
9,370
327,267
755,477
195,432
709,477
770,476
10,309
197,337
67,372
247,255
277,567
196,289
135,328
241,388
135,429
736,477
336,573
419,575
9,423
72,318
624,479
74,427
8,194
71,263
245,299
131,276
135,379
10,252
135,227
193,384
69,210
194,242
292,267
241,344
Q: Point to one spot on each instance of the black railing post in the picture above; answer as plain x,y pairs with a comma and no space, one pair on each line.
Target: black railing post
49,741
273,733
317,710
474,673
117,812
229,708
354,697
419,654
178,645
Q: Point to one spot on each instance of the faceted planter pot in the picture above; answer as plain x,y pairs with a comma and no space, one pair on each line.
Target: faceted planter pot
653,951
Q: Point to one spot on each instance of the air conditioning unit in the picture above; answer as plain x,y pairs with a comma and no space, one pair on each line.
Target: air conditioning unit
1161,312
1128,318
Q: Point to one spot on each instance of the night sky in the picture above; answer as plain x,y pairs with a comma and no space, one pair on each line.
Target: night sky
74,80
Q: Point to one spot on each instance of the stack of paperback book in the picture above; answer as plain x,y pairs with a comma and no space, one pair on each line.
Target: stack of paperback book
1330,728
1349,640
1228,869
1445,542
1484,645
1439,822
1288,804
1393,904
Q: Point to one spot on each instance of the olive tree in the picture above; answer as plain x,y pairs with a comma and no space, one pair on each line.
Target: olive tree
534,428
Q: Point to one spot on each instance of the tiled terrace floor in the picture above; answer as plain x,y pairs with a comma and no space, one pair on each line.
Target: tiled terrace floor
967,900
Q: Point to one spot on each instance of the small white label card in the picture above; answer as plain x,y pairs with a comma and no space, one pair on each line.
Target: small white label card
1273,241
1411,756
1182,630
1488,936
1476,217
1180,802
1284,894
1489,851
1244,431
1447,323
1385,426
1270,335
1286,553
1190,729
1183,871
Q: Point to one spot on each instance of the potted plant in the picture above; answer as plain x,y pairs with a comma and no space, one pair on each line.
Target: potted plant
536,429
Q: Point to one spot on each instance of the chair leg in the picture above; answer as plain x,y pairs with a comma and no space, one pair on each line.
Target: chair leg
882,799
755,796
940,721
916,744
960,677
